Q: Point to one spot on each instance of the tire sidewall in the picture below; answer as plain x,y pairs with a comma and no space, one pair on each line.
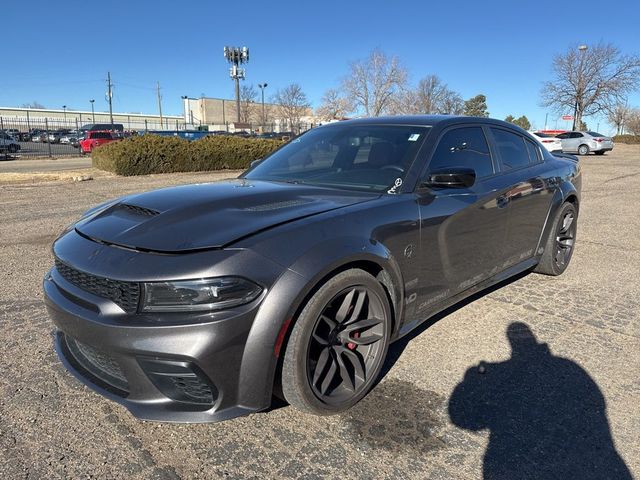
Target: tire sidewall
296,353
585,148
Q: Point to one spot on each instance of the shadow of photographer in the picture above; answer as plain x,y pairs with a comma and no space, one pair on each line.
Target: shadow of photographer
545,414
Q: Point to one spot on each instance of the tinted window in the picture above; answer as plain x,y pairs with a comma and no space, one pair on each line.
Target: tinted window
513,151
534,155
563,135
463,147
541,135
595,134
101,135
372,157
575,135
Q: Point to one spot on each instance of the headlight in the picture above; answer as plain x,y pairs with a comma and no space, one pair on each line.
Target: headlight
198,295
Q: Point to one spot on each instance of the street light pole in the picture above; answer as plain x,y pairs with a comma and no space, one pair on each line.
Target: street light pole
93,113
64,112
262,86
582,48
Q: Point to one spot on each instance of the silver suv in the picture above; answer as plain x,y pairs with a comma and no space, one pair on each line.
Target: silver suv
584,142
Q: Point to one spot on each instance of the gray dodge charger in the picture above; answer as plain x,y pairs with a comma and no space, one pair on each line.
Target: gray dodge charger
198,303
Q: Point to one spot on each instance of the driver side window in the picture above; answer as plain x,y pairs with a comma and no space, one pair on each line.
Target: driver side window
463,147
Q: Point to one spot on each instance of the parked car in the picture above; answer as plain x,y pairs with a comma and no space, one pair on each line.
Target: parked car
8,143
55,137
551,143
94,139
12,132
584,142
190,303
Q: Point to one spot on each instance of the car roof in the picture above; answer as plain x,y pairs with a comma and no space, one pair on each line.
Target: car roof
426,120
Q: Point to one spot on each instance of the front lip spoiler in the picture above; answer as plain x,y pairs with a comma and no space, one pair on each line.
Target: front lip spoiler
156,411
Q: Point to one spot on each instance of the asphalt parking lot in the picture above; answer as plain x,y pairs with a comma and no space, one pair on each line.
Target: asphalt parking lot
530,411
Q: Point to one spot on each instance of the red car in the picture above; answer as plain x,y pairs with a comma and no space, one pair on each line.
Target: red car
95,139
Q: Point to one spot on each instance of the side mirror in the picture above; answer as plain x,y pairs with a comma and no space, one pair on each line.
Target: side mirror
454,177
255,162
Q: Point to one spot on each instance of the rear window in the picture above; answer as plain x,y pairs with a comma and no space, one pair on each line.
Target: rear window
100,135
595,134
511,146
541,135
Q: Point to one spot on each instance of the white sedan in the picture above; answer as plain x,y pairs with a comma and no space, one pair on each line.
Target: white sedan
549,142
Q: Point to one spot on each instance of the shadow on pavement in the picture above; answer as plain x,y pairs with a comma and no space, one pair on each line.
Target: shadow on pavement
545,414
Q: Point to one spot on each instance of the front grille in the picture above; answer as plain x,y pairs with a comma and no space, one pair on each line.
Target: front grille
124,294
98,364
193,389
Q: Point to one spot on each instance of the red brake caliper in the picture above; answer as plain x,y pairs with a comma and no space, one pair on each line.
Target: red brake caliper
351,345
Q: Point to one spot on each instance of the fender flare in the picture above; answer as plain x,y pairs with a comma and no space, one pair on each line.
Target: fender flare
275,317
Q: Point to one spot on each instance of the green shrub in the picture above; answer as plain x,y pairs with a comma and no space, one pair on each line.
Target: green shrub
158,154
630,139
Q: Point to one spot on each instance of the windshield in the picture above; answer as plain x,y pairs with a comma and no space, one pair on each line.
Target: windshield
370,157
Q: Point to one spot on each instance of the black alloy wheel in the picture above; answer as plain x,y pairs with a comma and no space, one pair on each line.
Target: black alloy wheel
565,239
560,243
337,345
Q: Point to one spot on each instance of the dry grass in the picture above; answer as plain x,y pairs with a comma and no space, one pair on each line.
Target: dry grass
62,176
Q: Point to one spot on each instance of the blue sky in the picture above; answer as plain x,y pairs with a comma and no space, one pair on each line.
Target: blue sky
60,52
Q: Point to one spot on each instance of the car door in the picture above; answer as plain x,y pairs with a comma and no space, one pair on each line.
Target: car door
572,142
526,189
462,229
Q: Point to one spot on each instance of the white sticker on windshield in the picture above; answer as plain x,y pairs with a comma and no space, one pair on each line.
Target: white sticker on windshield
413,137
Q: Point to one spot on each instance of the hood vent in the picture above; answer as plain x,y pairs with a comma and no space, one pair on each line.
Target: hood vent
136,210
265,207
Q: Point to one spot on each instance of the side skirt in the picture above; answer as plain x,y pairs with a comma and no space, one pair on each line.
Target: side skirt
497,278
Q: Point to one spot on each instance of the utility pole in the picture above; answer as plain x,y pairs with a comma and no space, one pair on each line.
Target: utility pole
160,104
582,49
236,56
110,97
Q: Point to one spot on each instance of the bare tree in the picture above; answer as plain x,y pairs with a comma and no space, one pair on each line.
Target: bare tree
33,104
248,97
333,105
590,80
617,116
431,96
632,121
373,83
292,105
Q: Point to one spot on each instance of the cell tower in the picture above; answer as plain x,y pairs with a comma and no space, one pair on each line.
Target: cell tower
237,56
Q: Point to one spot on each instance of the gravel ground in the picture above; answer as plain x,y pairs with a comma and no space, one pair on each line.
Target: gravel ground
471,388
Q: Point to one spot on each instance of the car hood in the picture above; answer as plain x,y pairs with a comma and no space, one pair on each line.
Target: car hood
212,215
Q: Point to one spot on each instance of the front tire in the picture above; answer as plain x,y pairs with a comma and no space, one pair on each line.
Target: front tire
559,247
583,150
338,344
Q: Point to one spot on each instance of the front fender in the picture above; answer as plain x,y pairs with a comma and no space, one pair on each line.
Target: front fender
276,314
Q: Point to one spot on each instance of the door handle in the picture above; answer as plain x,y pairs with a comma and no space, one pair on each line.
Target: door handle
502,201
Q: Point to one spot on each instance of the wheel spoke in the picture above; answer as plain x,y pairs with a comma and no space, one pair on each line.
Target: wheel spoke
366,340
357,309
331,372
344,307
319,339
356,361
362,324
321,365
332,324
344,373
566,223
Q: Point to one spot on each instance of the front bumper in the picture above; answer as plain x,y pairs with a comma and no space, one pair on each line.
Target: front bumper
191,367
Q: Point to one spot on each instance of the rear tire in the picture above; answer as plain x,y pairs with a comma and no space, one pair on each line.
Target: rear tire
583,150
559,246
337,345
